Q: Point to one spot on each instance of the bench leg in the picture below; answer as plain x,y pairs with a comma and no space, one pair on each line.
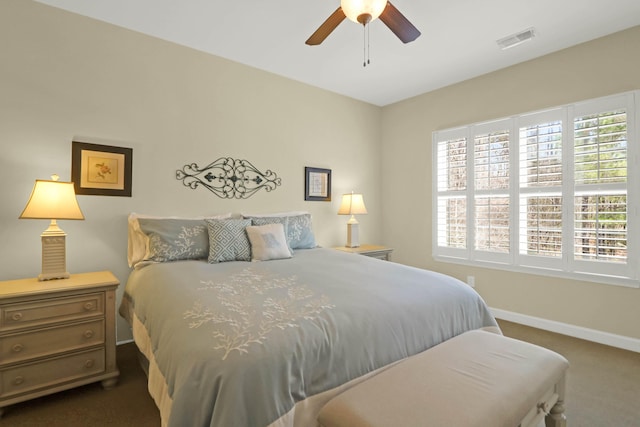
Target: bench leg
556,417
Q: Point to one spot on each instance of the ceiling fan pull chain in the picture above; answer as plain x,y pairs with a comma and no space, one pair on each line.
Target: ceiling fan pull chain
366,48
368,43
364,45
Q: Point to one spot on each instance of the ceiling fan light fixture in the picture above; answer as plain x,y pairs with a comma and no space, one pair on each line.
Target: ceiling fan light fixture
355,9
363,12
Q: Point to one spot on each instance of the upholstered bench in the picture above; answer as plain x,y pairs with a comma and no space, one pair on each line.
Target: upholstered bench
475,379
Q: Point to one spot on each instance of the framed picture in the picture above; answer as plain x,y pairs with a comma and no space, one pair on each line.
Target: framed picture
101,169
317,184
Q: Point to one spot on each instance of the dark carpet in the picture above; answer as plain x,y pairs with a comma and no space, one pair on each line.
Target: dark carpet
603,382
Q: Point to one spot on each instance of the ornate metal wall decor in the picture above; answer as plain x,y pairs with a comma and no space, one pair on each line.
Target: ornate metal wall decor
228,178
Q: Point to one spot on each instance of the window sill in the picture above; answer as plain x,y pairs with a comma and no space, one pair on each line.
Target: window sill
586,277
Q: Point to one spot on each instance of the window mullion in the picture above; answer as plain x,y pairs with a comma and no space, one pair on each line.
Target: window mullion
471,234
633,176
514,191
568,134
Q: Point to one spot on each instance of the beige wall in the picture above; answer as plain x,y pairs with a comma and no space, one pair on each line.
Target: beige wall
601,67
64,76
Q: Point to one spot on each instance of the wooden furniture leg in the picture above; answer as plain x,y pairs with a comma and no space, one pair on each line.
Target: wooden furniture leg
556,417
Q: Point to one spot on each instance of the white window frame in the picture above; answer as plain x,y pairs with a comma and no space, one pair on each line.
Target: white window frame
624,274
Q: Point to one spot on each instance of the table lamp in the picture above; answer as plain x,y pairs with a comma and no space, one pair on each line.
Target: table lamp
352,204
53,200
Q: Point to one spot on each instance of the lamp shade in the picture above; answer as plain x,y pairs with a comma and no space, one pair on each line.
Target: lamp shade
52,200
354,8
352,204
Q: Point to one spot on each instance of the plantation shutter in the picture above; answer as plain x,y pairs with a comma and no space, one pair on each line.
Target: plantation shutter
491,187
552,192
540,181
451,192
600,210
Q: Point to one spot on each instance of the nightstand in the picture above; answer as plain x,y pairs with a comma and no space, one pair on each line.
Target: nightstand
56,335
373,251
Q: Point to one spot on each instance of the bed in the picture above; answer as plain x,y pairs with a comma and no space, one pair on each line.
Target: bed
240,343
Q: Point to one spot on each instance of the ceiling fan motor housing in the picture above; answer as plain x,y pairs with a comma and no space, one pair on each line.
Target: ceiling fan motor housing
364,18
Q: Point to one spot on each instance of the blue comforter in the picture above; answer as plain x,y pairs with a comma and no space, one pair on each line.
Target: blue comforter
240,343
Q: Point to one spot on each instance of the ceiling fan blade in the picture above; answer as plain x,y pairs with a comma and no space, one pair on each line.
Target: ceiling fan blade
326,28
400,25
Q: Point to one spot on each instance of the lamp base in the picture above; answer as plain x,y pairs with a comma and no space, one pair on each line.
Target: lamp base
54,259
53,276
353,235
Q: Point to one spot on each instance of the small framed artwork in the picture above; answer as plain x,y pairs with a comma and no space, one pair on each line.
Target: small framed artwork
317,184
101,170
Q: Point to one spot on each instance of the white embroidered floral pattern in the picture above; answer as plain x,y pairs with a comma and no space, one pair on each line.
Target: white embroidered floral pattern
297,227
183,247
252,304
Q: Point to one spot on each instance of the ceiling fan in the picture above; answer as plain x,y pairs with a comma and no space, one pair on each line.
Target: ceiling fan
363,12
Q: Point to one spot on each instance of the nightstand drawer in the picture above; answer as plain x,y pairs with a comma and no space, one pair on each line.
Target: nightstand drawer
50,341
372,251
45,312
29,377
383,255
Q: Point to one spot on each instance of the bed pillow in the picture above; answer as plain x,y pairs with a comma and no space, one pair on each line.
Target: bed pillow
138,241
272,220
298,229
175,239
268,242
228,240
300,232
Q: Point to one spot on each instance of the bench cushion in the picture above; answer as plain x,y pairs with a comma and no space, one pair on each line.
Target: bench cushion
475,379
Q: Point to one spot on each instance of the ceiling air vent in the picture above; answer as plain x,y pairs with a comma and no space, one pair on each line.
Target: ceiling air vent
516,39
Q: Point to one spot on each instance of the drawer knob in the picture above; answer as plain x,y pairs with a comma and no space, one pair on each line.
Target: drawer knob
88,306
89,363
16,317
17,348
18,380
88,333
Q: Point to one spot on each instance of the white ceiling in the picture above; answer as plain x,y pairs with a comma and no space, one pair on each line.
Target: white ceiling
458,38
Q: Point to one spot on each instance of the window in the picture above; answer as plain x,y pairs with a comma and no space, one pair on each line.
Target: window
551,192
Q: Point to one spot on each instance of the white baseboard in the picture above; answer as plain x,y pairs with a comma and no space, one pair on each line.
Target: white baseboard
619,341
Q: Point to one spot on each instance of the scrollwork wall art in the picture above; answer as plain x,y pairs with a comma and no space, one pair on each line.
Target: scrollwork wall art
228,178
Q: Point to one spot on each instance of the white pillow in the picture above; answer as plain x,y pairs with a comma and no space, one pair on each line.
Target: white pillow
268,242
138,241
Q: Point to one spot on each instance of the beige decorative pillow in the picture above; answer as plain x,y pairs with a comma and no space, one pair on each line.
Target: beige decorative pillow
268,242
